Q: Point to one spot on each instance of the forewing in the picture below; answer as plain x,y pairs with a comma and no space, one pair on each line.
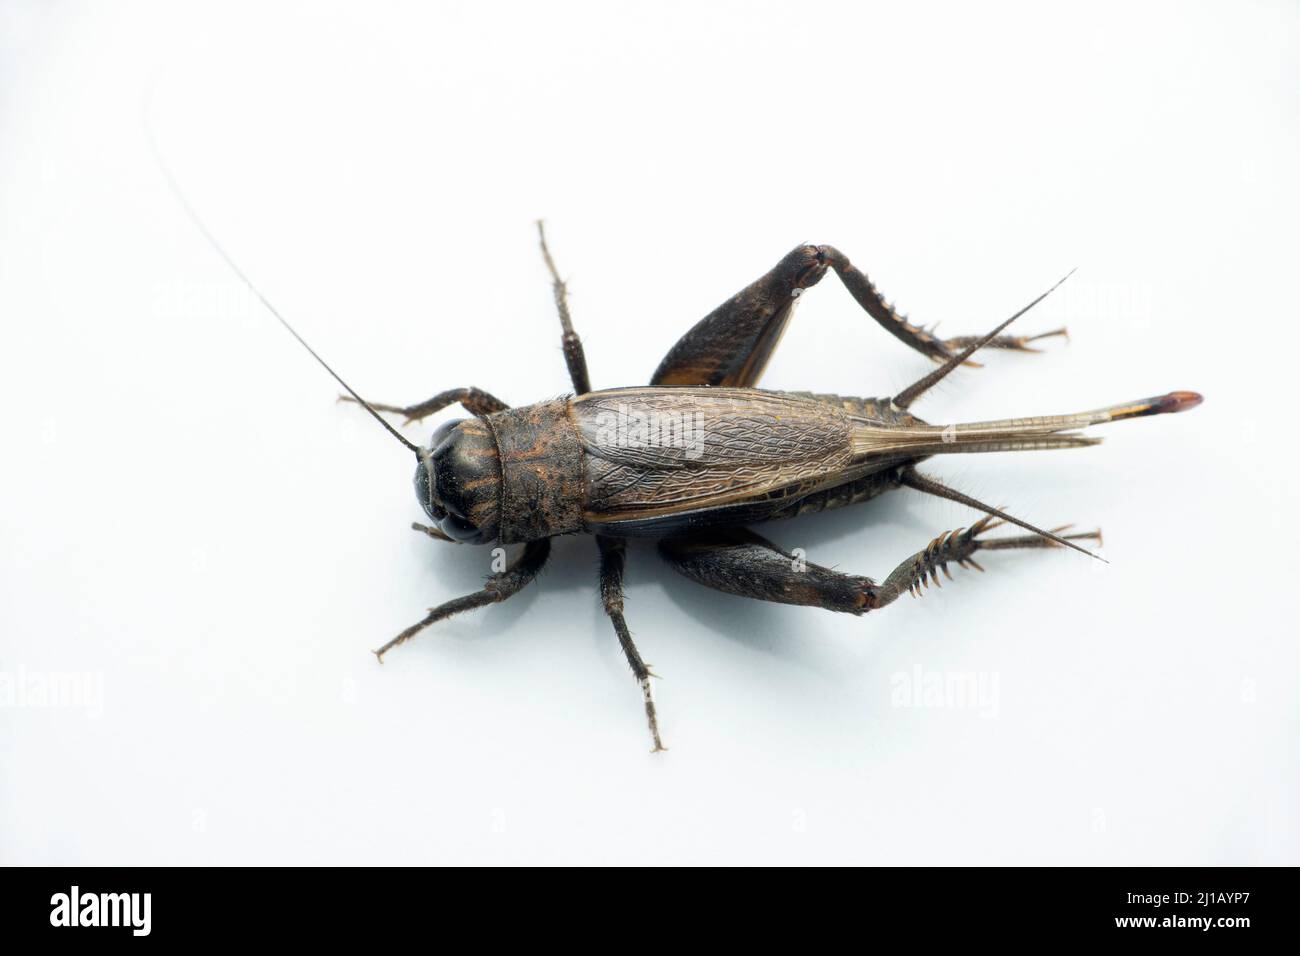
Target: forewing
660,451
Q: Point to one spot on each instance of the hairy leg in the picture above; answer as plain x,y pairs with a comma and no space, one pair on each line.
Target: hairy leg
738,561
473,400
733,344
612,559
498,588
574,356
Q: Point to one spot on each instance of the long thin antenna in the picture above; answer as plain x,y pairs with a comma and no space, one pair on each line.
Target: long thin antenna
920,387
207,234
914,479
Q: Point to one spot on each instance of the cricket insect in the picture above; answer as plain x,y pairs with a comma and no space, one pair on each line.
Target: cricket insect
701,454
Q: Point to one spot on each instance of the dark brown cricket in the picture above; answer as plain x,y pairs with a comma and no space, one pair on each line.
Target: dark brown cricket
698,456
701,454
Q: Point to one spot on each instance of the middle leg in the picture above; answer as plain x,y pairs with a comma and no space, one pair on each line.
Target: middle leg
612,557
574,355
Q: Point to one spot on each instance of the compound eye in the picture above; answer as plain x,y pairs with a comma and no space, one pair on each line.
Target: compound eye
454,526
441,432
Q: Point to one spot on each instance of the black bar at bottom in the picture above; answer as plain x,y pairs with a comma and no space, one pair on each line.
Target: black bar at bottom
303,906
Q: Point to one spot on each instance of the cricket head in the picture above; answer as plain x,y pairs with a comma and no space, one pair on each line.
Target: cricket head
458,481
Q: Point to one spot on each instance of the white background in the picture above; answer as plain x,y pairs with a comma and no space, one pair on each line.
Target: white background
190,523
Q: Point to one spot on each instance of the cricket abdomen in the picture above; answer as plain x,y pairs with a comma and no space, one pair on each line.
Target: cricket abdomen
841,496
